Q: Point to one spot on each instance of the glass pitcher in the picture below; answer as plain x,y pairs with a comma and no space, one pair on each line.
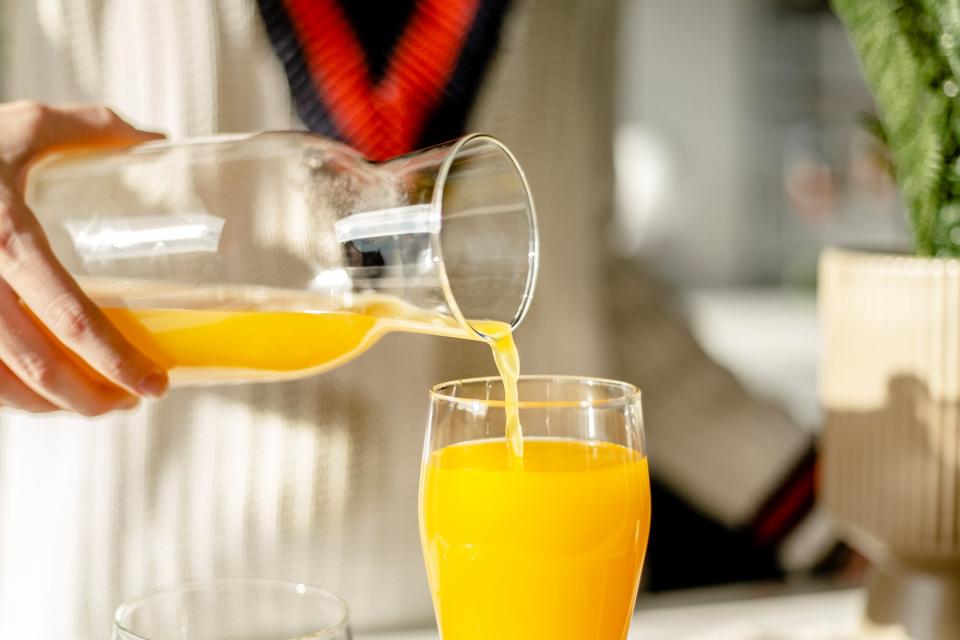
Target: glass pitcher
282,254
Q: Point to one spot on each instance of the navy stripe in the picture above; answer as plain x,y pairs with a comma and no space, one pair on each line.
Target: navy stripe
448,119
378,26
311,109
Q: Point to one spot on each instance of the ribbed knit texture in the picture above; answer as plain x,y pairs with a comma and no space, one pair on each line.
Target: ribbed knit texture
317,480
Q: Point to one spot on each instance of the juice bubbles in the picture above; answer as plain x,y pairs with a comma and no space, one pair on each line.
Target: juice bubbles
550,551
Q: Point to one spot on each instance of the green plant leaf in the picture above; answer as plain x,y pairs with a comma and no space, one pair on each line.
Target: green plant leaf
901,47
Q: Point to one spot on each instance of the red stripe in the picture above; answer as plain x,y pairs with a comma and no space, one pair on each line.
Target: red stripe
787,507
384,120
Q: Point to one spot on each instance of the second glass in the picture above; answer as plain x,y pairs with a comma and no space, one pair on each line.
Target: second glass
283,254
547,548
234,609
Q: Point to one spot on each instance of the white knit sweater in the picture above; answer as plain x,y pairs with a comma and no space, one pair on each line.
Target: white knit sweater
316,481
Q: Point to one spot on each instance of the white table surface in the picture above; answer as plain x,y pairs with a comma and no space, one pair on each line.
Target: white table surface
832,615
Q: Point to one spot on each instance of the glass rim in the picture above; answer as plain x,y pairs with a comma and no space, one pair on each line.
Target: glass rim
206,584
630,392
436,201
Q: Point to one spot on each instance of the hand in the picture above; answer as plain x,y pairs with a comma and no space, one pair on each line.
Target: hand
57,349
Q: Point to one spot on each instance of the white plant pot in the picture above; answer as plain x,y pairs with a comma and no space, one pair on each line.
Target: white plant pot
890,386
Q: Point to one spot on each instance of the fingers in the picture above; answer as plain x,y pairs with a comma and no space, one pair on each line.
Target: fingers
57,349
41,364
28,266
42,128
14,393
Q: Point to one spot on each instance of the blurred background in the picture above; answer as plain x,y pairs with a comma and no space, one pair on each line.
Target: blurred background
742,147
741,151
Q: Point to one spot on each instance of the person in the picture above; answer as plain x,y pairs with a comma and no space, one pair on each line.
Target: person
316,480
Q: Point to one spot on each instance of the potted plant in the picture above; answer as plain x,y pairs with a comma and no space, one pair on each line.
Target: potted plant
890,364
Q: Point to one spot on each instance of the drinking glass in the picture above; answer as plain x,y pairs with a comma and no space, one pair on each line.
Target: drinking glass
234,609
549,545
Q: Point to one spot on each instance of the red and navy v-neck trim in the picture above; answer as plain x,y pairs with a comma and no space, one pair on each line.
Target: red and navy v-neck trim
420,90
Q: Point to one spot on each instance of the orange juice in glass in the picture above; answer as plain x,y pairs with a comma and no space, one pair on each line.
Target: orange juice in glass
545,545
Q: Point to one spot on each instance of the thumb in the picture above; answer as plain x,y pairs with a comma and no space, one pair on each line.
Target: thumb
55,128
